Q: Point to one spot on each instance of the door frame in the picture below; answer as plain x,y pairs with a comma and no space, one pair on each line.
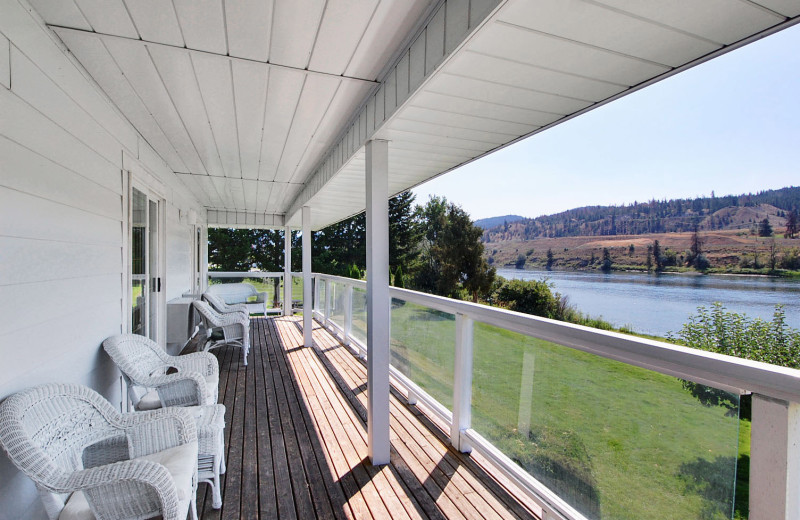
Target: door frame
159,303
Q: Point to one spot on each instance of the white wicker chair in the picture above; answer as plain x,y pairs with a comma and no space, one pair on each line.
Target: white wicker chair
218,304
91,462
224,329
144,366
152,383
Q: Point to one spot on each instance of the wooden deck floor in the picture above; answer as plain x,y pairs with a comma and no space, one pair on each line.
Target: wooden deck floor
296,442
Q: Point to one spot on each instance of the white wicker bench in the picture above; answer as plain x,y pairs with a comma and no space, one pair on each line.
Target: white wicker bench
232,293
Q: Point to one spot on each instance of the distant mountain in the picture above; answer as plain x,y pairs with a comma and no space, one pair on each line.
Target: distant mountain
666,216
488,223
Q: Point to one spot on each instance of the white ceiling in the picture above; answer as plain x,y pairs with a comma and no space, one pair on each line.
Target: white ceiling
262,107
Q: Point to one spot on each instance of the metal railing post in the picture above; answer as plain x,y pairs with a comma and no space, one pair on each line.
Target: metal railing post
462,384
315,289
327,310
348,313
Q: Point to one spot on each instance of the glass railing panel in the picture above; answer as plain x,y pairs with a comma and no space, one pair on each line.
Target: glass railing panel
319,301
423,348
337,304
297,292
614,441
359,330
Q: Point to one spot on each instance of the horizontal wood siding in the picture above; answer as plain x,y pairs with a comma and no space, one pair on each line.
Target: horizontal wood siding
63,224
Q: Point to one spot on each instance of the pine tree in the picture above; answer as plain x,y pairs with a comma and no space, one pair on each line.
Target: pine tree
606,264
765,228
405,232
659,261
792,224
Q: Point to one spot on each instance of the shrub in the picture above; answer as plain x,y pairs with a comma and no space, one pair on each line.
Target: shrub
701,262
531,297
399,279
791,259
734,334
520,263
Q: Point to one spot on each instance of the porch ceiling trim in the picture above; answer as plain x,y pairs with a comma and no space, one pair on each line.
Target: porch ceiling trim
243,219
147,43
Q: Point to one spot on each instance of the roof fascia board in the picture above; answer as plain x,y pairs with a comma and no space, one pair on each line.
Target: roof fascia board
408,78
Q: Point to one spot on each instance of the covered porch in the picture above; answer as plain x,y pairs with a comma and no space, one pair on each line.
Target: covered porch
296,442
127,129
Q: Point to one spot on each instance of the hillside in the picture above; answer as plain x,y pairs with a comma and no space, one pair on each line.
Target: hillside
488,223
731,212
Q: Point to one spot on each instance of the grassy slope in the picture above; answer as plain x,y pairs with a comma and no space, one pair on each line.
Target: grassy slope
636,443
723,248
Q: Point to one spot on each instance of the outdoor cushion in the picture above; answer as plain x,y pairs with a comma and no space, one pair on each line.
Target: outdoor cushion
179,461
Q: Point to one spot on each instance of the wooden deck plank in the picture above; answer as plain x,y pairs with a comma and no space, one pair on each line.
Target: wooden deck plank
379,477
267,490
434,451
344,436
297,442
434,480
339,464
323,493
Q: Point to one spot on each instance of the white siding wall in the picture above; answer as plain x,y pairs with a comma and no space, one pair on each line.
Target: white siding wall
63,224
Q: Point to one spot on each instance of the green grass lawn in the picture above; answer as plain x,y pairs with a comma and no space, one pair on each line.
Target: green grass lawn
616,441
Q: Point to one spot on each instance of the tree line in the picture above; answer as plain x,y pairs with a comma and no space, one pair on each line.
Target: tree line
433,248
654,216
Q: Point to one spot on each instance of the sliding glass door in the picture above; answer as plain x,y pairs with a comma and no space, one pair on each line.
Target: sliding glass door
146,277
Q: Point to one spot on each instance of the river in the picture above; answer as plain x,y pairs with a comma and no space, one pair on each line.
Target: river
660,303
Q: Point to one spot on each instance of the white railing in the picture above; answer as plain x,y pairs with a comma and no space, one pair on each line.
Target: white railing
775,444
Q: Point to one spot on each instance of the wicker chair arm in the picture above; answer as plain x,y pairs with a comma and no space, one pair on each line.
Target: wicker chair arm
201,362
183,388
234,317
261,297
139,488
233,331
158,430
237,307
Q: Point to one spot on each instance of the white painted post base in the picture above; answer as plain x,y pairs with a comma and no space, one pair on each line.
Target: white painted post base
462,384
774,460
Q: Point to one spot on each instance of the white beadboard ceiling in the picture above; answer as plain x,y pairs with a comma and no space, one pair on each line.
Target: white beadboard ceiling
263,106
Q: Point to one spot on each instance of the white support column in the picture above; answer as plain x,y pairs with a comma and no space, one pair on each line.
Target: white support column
287,271
774,459
462,384
378,301
348,313
307,302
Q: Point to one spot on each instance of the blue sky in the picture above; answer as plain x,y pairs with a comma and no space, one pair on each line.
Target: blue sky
731,125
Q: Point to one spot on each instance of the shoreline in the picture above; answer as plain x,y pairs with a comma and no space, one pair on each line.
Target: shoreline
779,273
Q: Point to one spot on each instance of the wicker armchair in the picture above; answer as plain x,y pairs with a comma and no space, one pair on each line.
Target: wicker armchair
89,461
155,379
219,305
224,329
